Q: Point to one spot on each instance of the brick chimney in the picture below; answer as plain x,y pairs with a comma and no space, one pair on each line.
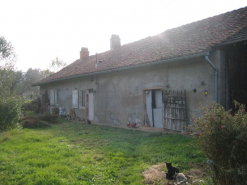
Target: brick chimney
115,42
84,53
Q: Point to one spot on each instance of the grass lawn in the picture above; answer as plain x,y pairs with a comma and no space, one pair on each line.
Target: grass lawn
78,153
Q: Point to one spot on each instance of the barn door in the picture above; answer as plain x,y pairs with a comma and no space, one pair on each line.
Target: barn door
175,110
90,105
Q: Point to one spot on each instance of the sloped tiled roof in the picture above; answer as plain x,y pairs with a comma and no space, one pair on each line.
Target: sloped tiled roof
240,36
186,40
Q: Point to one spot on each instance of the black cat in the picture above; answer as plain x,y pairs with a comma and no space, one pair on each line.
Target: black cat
172,170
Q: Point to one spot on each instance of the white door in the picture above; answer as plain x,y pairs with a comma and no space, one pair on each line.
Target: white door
90,106
75,102
52,99
157,110
149,107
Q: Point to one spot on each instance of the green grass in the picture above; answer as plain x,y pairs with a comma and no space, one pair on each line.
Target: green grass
78,153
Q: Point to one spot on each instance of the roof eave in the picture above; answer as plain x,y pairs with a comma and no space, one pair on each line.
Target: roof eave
126,67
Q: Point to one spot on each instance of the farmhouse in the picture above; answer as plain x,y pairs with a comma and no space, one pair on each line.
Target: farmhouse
158,81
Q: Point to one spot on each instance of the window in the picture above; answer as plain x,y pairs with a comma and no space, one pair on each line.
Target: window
83,98
54,97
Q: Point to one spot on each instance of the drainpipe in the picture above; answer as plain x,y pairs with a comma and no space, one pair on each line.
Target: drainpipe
215,74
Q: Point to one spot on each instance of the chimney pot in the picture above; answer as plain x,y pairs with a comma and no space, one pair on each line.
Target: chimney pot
115,42
84,53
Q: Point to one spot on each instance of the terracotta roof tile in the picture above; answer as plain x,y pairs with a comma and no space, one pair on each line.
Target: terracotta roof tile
189,39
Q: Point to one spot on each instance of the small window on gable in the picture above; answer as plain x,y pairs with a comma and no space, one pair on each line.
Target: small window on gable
83,98
75,102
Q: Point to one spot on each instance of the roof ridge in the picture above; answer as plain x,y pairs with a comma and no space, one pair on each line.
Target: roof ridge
148,37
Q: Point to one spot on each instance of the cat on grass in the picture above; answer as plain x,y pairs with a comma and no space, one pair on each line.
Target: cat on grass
172,170
173,174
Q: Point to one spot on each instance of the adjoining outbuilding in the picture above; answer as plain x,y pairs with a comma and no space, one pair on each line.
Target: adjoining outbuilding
158,81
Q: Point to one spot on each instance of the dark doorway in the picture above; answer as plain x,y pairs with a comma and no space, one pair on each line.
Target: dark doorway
236,70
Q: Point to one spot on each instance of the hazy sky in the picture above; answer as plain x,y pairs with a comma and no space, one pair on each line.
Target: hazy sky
41,30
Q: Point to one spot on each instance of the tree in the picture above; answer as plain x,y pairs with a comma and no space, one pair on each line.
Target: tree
6,49
17,80
32,76
23,82
45,73
57,64
7,59
10,105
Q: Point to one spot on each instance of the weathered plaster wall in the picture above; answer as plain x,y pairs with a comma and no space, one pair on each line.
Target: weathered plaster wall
118,95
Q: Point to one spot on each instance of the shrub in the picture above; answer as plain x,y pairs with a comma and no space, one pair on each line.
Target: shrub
34,123
37,121
223,137
31,105
27,105
10,111
51,118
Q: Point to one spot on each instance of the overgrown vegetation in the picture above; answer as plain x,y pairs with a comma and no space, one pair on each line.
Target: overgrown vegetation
223,137
79,153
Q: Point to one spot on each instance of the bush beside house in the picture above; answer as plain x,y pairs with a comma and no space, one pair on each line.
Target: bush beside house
223,137
10,111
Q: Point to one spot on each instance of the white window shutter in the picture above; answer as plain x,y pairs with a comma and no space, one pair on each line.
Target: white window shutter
75,98
52,97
